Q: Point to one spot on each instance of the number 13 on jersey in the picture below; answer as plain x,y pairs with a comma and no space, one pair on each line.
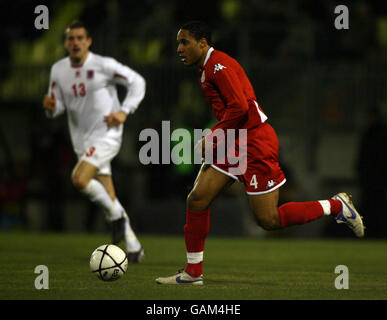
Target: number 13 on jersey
79,90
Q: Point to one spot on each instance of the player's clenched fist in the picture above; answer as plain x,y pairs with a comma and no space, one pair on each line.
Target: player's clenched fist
49,102
115,119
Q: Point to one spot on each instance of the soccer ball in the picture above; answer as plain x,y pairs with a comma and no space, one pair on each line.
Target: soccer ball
108,262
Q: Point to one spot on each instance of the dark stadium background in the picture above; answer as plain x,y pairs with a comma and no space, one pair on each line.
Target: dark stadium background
324,90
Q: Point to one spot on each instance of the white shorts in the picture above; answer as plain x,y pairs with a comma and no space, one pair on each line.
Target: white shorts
101,154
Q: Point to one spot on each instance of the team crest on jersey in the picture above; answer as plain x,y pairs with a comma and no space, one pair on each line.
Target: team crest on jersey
90,74
77,74
203,78
218,67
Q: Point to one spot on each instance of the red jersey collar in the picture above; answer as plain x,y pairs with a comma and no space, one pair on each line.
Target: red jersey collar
208,55
207,58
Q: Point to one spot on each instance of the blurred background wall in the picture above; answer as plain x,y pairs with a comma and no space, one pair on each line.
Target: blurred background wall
324,90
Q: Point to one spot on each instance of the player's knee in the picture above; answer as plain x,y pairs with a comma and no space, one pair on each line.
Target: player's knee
196,201
78,183
269,222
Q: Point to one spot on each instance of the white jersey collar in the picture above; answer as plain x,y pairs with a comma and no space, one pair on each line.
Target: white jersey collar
208,55
89,55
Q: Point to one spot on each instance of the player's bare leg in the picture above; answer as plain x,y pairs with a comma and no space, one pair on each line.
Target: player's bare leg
265,209
107,182
208,185
82,173
100,189
271,217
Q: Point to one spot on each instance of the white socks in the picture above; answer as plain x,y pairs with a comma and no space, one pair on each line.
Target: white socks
194,257
97,193
113,211
326,205
131,241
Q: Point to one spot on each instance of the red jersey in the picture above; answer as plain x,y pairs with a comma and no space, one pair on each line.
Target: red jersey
229,92
231,96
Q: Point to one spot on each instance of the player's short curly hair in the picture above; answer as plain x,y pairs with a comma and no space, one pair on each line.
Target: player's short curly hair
75,24
199,30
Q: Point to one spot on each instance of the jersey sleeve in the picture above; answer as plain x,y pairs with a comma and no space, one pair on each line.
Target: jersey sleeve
230,89
133,81
54,88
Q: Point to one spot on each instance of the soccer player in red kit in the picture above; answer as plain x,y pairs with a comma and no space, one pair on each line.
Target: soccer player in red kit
231,96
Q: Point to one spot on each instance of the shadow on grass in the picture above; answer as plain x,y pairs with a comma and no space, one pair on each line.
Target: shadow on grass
240,282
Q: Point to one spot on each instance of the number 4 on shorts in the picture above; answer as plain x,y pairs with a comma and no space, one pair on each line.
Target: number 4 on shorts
254,181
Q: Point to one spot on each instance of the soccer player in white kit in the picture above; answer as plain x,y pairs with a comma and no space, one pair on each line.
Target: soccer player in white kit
83,86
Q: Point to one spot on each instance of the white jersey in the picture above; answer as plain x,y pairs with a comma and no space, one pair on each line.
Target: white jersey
87,93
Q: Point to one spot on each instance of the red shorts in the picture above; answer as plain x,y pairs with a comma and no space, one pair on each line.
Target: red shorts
260,171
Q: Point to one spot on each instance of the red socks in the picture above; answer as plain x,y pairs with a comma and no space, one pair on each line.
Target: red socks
293,213
336,207
195,232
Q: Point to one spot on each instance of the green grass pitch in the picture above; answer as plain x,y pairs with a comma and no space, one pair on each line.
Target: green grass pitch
234,269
